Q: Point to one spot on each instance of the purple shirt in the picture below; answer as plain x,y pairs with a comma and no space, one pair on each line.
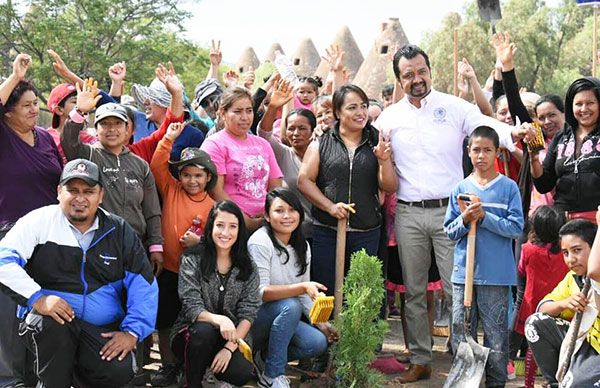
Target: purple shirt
29,175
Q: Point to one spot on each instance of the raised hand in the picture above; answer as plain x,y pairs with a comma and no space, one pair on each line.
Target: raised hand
20,65
61,68
174,130
335,57
88,95
383,149
117,72
215,53
282,93
230,79
505,50
167,76
463,86
249,78
466,70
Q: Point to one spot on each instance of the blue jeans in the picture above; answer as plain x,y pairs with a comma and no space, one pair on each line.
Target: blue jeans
322,266
278,328
490,305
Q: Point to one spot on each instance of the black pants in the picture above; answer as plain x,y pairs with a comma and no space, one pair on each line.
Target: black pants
196,348
71,351
545,335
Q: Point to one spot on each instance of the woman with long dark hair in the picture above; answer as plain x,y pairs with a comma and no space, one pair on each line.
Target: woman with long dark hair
282,256
218,288
350,164
572,163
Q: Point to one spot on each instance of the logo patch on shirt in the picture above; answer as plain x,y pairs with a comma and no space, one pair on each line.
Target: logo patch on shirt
107,259
439,114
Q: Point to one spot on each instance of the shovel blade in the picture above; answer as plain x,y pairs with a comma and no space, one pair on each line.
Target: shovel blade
489,10
468,366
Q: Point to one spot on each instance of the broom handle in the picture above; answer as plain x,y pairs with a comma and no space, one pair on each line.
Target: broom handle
340,256
576,322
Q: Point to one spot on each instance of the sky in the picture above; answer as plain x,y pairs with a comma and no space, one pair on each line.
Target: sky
260,23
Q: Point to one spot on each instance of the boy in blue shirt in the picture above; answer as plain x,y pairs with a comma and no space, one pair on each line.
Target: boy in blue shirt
499,218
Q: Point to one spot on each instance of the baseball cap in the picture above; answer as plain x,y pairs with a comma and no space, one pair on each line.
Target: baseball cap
57,95
110,110
81,169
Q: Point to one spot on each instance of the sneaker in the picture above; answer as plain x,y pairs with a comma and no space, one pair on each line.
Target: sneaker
167,375
141,378
278,382
510,370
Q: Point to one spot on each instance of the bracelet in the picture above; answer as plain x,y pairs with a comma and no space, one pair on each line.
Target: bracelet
230,351
78,111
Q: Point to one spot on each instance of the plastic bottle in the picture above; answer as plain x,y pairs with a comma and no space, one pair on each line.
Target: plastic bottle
285,68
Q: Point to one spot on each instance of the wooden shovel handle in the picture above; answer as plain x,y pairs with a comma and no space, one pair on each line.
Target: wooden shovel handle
470,263
340,257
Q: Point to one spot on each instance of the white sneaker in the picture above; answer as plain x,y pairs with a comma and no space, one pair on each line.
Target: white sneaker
278,382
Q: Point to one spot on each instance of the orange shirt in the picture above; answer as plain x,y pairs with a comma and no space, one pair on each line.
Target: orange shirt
179,208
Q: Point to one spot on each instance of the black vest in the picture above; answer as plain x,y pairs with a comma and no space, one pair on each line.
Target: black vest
341,181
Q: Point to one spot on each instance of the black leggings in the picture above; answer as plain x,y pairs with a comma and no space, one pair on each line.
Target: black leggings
196,348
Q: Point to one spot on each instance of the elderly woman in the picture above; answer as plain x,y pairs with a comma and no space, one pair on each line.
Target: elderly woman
31,168
245,163
572,163
349,164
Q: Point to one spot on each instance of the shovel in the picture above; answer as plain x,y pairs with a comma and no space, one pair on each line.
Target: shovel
489,10
469,361
576,323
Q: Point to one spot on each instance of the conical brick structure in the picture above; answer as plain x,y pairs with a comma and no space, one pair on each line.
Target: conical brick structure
353,58
247,59
306,58
270,57
372,75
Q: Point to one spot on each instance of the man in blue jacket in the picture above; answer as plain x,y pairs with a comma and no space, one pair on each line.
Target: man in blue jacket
83,283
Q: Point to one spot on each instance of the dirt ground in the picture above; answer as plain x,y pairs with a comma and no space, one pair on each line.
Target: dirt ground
394,344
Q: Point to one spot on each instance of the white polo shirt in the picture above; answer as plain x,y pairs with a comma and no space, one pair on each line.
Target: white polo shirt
427,142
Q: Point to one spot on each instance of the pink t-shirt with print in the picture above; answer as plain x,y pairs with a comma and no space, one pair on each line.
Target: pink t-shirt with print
247,166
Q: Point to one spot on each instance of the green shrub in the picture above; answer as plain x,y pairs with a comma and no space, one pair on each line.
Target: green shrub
361,332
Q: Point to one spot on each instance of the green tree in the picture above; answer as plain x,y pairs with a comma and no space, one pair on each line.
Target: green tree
92,35
360,329
553,44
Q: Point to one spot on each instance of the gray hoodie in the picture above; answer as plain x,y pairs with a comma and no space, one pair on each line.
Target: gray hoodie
129,187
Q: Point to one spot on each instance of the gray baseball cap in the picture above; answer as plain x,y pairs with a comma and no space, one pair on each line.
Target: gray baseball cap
81,169
110,110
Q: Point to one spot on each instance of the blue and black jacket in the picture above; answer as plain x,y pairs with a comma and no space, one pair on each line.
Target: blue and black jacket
109,283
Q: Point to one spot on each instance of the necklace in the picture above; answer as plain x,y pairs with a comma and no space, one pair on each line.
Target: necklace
198,200
222,278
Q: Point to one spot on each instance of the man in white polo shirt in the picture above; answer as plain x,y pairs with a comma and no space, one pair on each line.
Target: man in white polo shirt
427,129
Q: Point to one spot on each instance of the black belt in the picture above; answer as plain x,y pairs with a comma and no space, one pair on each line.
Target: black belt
427,204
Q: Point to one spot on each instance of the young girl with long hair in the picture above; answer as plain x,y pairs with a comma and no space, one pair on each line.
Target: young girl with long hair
218,288
282,256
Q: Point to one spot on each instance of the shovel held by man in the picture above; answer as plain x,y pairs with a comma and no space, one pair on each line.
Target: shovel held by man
469,361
